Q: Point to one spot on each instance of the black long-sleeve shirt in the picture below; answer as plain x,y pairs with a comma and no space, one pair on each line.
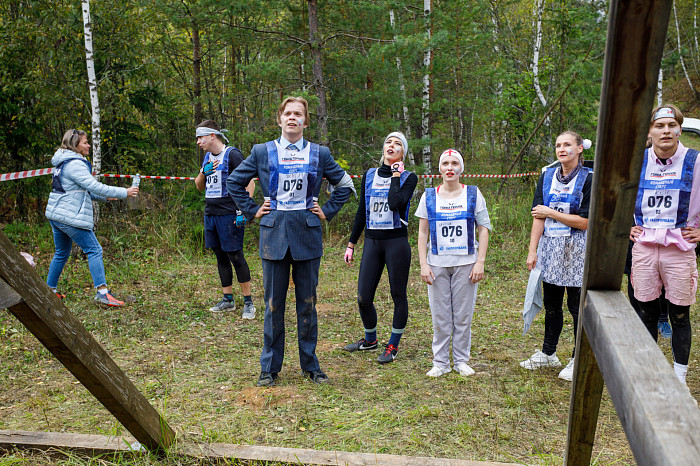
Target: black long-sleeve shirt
398,199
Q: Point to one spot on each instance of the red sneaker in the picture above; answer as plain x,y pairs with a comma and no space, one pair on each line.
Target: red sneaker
108,299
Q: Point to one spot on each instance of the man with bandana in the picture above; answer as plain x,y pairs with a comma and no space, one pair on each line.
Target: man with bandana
667,215
224,224
291,170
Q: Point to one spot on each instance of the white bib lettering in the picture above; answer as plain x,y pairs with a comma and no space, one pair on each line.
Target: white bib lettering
559,199
380,216
661,194
452,236
215,184
292,186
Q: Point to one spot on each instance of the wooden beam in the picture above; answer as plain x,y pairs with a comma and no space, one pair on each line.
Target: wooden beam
634,47
91,445
306,456
99,444
660,417
636,33
67,339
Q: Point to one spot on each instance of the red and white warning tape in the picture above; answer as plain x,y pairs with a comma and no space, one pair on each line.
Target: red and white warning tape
153,177
48,171
26,174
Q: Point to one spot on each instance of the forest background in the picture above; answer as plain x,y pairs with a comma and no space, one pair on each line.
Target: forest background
496,79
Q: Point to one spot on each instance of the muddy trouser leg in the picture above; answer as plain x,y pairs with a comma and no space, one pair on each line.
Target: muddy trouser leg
276,283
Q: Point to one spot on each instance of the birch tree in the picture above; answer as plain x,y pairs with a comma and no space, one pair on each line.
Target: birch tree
680,53
695,28
94,104
92,84
402,87
536,52
425,113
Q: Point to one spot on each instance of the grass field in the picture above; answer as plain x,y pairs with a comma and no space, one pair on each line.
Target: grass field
199,369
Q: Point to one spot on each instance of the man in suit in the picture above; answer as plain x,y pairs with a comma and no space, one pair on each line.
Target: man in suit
290,170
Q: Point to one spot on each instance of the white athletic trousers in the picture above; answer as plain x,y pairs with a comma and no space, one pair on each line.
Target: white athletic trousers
452,298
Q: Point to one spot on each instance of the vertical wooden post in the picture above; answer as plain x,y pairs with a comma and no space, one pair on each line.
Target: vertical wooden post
30,300
634,47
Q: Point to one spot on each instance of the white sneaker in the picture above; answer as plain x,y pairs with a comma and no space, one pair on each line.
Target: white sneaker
539,359
567,373
464,369
437,371
248,311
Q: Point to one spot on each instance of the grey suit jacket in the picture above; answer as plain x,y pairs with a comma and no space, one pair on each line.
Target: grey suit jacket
297,230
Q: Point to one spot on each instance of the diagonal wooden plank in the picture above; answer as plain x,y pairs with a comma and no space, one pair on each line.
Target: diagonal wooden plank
642,384
67,339
634,46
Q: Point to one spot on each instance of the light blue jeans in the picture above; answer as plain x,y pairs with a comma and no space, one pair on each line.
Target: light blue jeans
63,237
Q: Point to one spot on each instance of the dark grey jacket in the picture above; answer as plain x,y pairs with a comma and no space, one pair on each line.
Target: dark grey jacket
297,230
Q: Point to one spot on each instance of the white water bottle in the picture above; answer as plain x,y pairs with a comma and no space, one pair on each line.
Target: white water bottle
137,181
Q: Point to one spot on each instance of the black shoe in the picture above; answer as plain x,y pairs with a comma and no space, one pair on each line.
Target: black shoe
388,355
317,376
266,379
361,345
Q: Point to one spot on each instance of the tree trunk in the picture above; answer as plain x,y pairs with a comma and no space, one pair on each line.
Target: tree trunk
94,102
196,73
425,112
680,54
695,32
402,87
302,72
92,83
660,88
318,72
536,53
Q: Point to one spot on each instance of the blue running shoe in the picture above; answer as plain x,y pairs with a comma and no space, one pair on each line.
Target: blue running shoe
665,329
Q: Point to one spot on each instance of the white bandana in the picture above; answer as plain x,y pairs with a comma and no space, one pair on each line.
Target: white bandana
204,131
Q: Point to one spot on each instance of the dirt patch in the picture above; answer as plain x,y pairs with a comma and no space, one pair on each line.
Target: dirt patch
326,346
325,309
259,397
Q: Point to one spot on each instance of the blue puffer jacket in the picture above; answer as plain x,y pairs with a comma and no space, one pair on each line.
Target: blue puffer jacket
74,207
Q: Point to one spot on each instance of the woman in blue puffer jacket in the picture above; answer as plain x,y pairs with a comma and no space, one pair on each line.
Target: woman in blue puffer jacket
69,211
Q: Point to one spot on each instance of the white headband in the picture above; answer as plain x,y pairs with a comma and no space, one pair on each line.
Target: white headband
399,135
204,131
453,153
664,112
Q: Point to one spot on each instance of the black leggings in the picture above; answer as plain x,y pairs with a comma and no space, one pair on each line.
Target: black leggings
680,324
396,255
553,298
663,302
224,260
